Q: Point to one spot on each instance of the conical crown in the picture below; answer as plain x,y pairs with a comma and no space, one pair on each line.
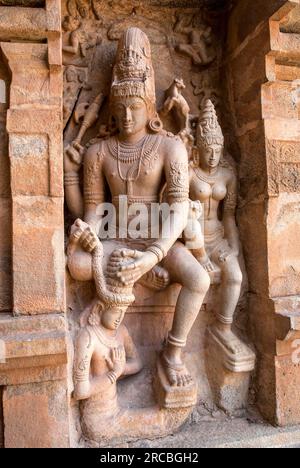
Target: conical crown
209,131
133,73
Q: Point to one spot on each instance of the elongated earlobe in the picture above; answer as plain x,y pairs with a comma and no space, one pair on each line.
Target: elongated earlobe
155,124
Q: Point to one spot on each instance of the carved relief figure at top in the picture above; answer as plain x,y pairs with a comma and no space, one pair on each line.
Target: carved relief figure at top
79,42
200,47
137,163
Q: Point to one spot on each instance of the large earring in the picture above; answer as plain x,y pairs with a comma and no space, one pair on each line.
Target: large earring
196,156
155,124
94,317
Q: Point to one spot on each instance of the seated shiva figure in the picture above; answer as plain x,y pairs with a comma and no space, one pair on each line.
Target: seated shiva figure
137,163
213,182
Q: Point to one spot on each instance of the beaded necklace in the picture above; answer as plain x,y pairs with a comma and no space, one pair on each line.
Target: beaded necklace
127,153
208,179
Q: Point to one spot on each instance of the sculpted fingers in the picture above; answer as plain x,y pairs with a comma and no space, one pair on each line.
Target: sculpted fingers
128,278
129,267
128,253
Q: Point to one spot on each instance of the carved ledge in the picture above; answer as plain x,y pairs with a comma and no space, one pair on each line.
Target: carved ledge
34,349
23,3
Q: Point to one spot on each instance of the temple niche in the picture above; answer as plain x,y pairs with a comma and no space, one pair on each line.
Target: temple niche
149,223
182,324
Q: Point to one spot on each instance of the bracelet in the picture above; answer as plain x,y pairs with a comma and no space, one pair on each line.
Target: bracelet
71,179
172,340
112,377
157,250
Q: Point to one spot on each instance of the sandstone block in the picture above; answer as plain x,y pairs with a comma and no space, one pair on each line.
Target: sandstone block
38,252
36,415
229,389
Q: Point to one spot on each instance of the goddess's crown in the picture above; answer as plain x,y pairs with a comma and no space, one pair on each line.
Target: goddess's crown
209,131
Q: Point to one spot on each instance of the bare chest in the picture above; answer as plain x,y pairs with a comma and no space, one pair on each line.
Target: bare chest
206,189
132,169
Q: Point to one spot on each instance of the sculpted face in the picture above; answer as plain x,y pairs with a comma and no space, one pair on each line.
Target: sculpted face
112,318
131,115
211,156
71,23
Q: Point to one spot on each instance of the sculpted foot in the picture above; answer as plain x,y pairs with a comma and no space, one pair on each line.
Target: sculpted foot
157,279
176,372
229,339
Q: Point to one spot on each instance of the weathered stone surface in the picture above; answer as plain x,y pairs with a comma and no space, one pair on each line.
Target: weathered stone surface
230,389
35,349
5,254
16,23
38,283
269,216
287,390
30,165
245,19
47,425
261,117
284,242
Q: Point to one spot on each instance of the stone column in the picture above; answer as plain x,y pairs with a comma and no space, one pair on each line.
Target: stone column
35,395
262,64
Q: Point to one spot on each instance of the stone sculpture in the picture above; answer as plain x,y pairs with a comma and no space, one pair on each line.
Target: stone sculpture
175,100
212,182
199,47
136,162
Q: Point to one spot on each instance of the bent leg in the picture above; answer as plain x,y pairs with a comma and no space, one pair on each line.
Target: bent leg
190,51
168,106
80,262
185,270
230,289
230,293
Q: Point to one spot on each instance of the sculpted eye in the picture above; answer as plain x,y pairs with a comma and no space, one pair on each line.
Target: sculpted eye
136,106
118,108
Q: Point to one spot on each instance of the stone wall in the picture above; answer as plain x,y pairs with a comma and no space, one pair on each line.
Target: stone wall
33,375
5,200
261,66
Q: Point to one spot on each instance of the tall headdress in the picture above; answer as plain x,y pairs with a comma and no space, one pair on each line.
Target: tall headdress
209,131
133,74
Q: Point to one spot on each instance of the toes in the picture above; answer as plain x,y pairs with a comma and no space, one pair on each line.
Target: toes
173,379
190,379
185,380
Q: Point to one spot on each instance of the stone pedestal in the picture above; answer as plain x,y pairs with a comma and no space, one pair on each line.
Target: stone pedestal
230,388
173,397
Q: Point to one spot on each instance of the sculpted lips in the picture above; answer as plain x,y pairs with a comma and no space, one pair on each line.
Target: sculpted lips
117,322
127,124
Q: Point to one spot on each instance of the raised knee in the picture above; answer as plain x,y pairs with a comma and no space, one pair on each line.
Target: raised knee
234,276
199,281
80,266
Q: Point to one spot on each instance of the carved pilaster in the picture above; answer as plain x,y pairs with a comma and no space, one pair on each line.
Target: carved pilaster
33,369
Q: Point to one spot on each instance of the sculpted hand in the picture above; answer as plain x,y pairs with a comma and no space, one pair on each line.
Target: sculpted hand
225,254
117,361
85,235
207,264
73,156
138,264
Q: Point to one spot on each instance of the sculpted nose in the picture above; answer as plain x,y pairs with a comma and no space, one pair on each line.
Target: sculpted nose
128,115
